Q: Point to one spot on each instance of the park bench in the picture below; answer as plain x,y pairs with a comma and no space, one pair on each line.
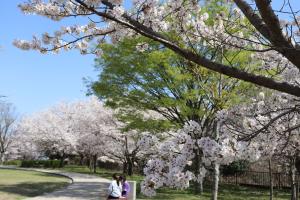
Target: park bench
132,193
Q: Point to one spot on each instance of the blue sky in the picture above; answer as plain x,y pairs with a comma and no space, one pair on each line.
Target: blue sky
33,81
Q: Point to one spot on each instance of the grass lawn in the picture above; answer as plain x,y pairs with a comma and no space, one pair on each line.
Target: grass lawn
226,192
18,184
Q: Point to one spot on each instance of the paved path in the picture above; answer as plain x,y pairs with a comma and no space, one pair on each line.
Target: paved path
84,187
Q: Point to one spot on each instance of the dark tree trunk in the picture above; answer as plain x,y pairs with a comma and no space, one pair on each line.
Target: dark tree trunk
130,167
1,158
62,158
298,163
271,179
88,161
95,163
293,173
125,167
81,159
297,192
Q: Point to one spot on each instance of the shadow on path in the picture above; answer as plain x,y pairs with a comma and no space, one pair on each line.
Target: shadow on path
80,191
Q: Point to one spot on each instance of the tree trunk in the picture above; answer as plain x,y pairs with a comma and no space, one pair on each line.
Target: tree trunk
216,175
130,167
95,163
1,158
293,174
297,165
88,161
125,167
91,163
216,166
81,160
297,188
271,179
62,158
197,168
199,187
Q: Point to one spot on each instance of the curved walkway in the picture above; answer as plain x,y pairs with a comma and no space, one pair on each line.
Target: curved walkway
84,187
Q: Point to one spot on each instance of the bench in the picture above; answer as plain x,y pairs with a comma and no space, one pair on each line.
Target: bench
132,193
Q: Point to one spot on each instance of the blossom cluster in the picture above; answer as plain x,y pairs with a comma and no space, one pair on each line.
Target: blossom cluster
68,128
85,128
189,21
170,165
270,123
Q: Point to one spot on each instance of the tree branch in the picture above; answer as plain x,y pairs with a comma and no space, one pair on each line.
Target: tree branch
202,61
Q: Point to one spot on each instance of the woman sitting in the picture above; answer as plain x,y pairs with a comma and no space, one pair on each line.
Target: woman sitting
125,187
115,188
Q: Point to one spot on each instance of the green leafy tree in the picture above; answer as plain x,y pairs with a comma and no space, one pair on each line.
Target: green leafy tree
158,80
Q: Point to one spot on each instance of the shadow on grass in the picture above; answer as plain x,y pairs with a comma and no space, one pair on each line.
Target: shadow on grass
226,192
31,189
174,194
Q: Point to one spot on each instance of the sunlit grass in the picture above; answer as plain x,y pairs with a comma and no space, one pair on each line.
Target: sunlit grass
18,184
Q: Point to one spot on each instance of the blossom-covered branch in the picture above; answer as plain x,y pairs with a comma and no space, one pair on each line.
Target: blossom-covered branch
154,19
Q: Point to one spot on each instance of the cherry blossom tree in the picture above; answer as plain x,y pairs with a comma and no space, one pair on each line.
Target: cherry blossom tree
171,164
7,128
271,120
85,128
94,124
23,146
51,131
259,28
273,126
238,29
102,135
264,128
130,149
169,86
253,28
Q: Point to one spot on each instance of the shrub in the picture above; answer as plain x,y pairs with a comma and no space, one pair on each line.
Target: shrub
109,165
27,163
40,163
235,167
13,162
55,164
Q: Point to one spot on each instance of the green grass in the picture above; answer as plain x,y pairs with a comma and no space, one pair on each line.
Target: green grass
18,184
226,192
